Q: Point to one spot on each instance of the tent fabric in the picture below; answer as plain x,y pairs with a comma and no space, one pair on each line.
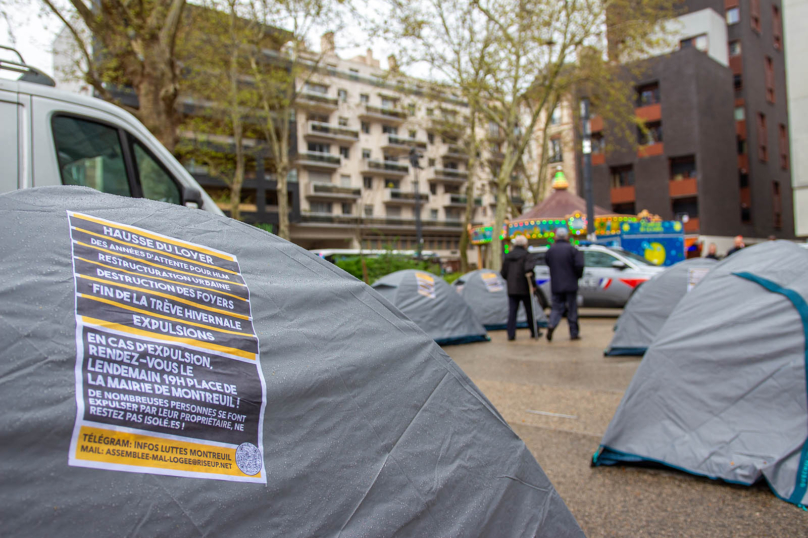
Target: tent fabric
486,292
368,428
650,305
432,305
721,392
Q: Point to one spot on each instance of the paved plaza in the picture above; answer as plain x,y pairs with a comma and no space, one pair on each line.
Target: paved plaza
560,396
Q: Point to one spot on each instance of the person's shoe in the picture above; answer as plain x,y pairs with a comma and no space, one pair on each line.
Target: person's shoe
511,339
575,337
550,333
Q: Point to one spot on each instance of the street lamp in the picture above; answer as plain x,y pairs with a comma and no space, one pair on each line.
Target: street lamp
416,165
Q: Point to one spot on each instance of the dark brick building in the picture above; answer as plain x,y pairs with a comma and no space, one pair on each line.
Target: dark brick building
715,155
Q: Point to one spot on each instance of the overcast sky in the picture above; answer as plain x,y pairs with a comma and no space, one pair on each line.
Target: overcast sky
33,31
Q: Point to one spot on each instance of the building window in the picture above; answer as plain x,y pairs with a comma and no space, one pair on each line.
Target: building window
598,143
316,147
364,98
777,205
347,208
624,209
319,177
368,210
365,153
742,145
390,158
555,151
388,103
367,182
433,188
451,189
746,210
320,207
783,147
685,209
322,118
431,162
345,152
342,95
622,176
389,129
433,214
777,28
430,111
698,42
343,122
411,109
737,82
648,94
683,167
754,15
769,66
733,15
394,211
354,74
430,138
740,113
555,119
392,184
365,127
652,134
734,48
312,87
763,149
413,133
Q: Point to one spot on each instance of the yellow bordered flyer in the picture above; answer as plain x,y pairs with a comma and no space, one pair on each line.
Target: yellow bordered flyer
168,374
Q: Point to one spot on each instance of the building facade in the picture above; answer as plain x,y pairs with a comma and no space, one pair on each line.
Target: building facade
795,35
714,153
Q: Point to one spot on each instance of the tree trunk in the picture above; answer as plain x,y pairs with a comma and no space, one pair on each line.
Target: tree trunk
156,100
499,220
282,171
467,219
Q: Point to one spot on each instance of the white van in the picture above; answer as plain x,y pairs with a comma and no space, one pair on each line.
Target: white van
51,137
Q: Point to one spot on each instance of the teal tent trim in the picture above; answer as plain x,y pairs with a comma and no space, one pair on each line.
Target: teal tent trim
799,303
520,325
625,351
463,340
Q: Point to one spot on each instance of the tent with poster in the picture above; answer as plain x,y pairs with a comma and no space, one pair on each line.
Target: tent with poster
433,305
170,372
721,391
486,292
651,304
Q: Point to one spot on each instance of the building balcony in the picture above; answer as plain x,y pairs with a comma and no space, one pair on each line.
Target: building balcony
596,124
455,151
683,187
623,195
317,101
448,176
740,129
598,158
651,150
384,168
743,163
322,161
458,200
649,113
398,144
517,200
496,156
409,223
692,225
447,125
327,132
383,115
328,218
329,191
399,197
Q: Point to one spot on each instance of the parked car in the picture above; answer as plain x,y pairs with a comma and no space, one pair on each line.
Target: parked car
611,275
53,137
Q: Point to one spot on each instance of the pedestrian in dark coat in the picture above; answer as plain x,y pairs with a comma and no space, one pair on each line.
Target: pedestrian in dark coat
566,264
515,271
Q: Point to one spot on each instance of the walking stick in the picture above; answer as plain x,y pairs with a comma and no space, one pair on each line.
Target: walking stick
533,307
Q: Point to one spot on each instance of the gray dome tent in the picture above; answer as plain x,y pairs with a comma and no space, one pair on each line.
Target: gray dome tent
433,305
652,303
166,371
721,392
486,292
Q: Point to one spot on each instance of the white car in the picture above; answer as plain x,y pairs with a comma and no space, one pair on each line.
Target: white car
610,276
52,137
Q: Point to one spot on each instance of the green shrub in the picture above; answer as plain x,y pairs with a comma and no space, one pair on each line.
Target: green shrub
384,265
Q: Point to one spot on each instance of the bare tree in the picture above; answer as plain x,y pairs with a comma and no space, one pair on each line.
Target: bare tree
130,43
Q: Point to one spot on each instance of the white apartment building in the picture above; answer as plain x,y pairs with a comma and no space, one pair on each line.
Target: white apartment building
356,124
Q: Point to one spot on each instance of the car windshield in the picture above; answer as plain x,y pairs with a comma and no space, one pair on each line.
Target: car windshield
634,257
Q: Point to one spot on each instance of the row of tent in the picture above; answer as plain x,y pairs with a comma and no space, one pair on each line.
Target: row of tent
453,314
721,389
354,422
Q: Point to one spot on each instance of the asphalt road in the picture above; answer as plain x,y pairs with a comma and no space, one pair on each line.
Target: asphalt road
575,380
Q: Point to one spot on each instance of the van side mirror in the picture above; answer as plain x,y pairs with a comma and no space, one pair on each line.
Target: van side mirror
617,264
191,197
